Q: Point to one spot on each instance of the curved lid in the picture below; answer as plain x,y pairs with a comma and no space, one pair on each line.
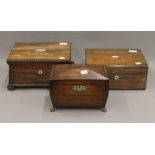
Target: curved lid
77,72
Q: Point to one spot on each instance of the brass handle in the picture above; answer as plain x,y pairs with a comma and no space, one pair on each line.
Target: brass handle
40,72
79,88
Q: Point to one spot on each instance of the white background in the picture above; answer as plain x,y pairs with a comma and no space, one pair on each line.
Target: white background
78,15
97,15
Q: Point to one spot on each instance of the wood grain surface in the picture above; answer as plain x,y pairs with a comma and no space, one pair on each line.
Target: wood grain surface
64,78
115,57
40,51
127,69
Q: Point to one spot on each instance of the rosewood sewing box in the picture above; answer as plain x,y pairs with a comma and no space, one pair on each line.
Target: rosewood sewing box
127,68
30,63
79,86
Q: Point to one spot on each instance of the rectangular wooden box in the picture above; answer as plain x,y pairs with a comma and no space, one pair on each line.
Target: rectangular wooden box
127,69
78,86
30,63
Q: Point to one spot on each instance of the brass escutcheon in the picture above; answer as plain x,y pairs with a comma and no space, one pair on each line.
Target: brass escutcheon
79,87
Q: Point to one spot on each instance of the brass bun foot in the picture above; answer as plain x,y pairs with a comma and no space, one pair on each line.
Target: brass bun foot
11,87
103,109
53,109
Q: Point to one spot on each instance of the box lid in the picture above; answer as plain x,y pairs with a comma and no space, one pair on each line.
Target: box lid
116,57
51,51
76,72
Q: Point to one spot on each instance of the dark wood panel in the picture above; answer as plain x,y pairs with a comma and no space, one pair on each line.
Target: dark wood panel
79,102
127,81
80,81
127,70
72,71
30,75
127,78
88,90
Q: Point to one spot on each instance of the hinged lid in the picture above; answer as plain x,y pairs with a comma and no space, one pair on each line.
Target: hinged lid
76,72
116,57
54,51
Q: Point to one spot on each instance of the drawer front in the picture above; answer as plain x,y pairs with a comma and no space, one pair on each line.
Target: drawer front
127,81
79,90
31,74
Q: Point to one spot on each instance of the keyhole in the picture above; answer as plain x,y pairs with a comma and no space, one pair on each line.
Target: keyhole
116,77
40,72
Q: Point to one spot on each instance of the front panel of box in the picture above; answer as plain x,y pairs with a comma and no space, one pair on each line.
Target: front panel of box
31,74
79,95
79,102
127,78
